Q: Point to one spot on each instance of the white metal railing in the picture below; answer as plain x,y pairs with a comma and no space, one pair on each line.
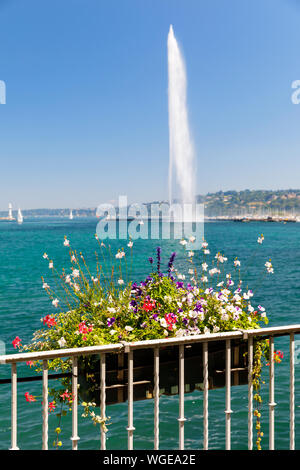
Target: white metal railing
129,348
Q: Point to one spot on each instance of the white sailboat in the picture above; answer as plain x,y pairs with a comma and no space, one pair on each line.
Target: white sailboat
10,214
20,216
71,217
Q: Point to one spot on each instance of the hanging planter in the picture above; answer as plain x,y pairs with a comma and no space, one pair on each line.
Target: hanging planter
143,371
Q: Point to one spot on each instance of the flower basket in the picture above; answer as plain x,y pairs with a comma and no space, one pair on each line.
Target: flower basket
143,371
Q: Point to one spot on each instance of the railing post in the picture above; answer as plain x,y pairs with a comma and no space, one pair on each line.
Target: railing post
103,397
272,403
14,445
205,396
228,410
292,391
130,427
250,393
45,405
181,418
156,398
75,438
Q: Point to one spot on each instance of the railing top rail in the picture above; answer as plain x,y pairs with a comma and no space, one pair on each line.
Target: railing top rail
36,356
273,331
152,343
239,334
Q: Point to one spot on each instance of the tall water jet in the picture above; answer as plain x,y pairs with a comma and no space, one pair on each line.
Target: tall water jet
182,154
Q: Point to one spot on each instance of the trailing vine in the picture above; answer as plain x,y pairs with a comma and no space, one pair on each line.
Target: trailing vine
261,353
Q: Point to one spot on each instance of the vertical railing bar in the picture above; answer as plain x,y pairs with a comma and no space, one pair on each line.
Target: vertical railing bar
272,403
205,396
292,391
156,398
14,445
45,405
75,438
250,393
103,399
228,410
181,418
130,427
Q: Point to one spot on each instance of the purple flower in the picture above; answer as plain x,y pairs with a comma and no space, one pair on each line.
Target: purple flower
158,251
198,307
150,260
185,321
154,316
111,321
179,285
171,261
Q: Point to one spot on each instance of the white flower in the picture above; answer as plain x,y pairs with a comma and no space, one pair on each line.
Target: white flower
204,245
216,329
55,302
45,286
237,263
128,328
214,271
182,276
220,258
120,281
73,259
191,271
206,252
130,244
204,279
111,310
112,332
204,266
120,254
66,242
183,242
51,265
62,342
163,323
269,267
190,254
68,279
75,273
94,279
76,287
192,239
45,256
206,331
260,239
180,332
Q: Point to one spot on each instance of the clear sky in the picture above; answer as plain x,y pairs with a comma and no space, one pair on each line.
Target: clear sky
86,118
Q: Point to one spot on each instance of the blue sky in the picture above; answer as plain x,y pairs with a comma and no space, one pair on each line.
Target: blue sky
86,112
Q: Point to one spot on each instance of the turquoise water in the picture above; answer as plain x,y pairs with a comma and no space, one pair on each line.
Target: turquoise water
23,303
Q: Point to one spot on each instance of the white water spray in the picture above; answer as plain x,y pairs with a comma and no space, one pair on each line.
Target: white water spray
182,155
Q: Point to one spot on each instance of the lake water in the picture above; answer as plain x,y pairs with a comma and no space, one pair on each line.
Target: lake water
23,302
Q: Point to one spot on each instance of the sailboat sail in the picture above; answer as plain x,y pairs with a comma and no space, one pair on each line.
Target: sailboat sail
20,217
71,215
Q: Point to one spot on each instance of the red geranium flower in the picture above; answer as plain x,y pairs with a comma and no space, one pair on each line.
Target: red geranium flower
52,406
16,342
149,305
29,397
49,320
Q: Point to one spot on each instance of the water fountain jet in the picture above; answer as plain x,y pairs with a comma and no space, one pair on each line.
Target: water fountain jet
182,154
